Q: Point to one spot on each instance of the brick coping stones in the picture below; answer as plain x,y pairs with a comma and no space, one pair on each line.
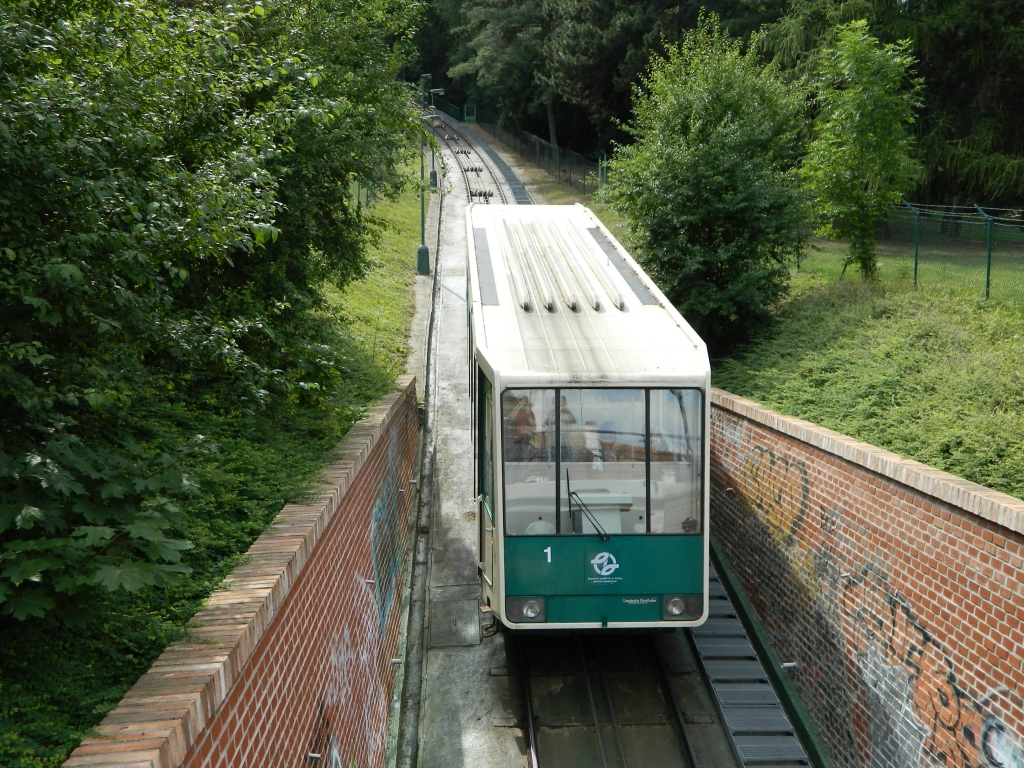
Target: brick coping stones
164,714
996,507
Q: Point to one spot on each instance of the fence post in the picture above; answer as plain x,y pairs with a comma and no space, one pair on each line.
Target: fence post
917,235
988,248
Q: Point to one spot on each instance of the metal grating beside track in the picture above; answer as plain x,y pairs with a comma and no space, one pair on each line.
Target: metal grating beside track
760,729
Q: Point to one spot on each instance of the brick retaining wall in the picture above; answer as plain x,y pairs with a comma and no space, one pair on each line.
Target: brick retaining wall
292,656
896,588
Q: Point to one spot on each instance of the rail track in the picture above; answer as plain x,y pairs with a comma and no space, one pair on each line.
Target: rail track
601,700
681,699
479,173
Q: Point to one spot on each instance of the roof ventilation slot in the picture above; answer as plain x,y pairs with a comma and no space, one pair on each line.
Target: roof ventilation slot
576,263
515,263
600,267
534,258
556,261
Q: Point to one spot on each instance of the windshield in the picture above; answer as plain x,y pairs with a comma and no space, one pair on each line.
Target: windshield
605,461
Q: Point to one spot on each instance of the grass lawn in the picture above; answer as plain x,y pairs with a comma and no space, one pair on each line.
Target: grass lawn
59,678
935,375
958,262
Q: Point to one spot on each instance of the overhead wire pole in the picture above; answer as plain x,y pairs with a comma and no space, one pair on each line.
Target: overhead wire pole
423,253
433,125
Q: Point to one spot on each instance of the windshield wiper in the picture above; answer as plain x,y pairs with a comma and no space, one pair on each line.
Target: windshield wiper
602,534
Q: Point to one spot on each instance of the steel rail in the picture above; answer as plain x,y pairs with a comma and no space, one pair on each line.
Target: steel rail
467,145
611,707
593,703
673,702
524,678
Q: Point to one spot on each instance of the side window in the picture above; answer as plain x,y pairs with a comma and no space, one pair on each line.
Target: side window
528,445
486,478
676,460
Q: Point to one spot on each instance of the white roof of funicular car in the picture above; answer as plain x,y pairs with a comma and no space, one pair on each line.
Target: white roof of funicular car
556,297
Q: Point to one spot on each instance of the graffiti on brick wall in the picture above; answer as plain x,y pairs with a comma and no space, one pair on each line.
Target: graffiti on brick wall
779,489
387,533
899,660
353,711
920,715
352,723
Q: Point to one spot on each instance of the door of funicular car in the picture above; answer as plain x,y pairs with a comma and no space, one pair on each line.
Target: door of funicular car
486,455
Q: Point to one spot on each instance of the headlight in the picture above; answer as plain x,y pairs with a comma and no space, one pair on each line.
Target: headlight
519,609
681,607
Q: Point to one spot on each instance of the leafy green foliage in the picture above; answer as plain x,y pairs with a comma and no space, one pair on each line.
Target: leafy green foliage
176,191
972,131
596,51
932,376
970,56
809,27
859,163
504,59
707,186
60,675
578,58
101,220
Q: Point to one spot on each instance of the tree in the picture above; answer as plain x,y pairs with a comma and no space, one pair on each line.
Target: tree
859,162
122,174
505,63
969,129
176,190
706,187
809,27
596,49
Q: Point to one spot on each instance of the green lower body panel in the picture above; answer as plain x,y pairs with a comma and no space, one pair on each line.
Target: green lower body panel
586,580
605,608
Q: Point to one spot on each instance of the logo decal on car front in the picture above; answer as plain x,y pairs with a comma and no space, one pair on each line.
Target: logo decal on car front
605,564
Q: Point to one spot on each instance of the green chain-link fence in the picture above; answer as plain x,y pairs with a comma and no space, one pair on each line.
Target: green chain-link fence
580,172
972,250
980,250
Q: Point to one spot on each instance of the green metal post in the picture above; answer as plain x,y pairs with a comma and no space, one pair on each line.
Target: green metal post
423,253
988,255
917,242
917,236
433,137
